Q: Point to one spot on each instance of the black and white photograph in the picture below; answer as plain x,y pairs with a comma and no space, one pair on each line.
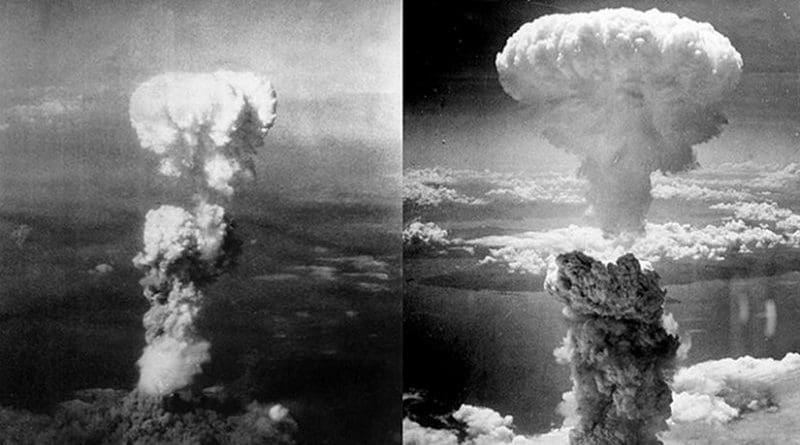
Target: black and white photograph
201,222
385,222
600,222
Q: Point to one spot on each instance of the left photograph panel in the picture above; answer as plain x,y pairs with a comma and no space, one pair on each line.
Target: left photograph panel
201,222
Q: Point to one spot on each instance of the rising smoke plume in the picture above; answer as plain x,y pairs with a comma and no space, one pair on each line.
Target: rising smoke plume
630,92
206,127
619,351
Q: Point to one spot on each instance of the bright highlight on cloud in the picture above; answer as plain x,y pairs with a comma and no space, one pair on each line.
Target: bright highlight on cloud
531,252
732,385
482,426
704,396
724,183
630,92
755,211
204,125
419,236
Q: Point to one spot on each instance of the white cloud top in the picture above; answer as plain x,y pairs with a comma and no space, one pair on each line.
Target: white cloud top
531,252
654,54
207,124
172,233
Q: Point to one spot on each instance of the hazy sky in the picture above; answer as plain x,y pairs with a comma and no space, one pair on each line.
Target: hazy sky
309,48
316,51
335,64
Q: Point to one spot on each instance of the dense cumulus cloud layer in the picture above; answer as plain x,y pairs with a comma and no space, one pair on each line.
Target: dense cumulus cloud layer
743,206
430,188
720,390
531,252
744,198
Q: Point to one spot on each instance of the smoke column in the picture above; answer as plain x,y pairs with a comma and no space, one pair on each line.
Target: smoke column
206,127
619,351
629,92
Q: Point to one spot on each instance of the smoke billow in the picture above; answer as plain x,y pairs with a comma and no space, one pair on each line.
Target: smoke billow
206,127
630,92
618,346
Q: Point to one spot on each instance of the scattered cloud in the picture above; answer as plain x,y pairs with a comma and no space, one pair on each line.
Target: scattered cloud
322,273
481,426
712,392
437,186
364,272
532,252
675,187
720,390
419,237
755,211
720,184
276,277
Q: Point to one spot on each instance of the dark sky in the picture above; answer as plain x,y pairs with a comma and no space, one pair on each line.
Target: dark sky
457,115
449,46
448,42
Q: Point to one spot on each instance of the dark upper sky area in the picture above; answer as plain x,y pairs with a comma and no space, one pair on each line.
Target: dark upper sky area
449,46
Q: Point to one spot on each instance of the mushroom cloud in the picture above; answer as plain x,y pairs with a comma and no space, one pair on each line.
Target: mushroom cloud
629,92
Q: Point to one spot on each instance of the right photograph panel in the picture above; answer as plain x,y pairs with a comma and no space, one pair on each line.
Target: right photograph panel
601,209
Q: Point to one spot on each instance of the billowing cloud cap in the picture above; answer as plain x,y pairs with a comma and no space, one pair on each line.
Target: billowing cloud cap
204,124
652,54
630,92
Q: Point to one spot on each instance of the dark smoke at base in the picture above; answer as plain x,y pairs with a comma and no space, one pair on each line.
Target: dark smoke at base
109,417
619,352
